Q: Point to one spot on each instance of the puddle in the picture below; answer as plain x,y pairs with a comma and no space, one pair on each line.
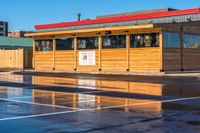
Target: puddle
194,123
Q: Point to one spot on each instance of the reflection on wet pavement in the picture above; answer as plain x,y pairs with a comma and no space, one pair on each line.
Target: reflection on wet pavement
96,105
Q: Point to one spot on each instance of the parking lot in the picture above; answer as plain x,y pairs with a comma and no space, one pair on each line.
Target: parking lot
47,102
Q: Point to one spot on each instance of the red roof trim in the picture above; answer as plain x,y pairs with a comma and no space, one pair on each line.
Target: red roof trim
121,18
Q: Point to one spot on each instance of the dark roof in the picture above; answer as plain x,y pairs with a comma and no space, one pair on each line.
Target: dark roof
137,12
12,42
121,18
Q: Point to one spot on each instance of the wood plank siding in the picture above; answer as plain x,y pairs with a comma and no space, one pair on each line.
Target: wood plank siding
191,59
64,60
172,59
43,60
145,59
19,58
113,59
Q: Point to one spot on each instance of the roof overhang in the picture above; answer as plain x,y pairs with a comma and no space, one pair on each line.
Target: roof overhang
117,28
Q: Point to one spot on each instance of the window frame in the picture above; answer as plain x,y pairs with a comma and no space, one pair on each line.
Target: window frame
178,33
116,43
42,48
156,45
72,39
96,38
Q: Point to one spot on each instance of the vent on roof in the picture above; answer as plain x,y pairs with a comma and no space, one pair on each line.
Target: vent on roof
78,16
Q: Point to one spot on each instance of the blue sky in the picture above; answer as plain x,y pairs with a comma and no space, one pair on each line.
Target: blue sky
24,14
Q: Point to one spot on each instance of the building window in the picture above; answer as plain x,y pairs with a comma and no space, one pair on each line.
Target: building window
171,40
44,45
191,41
114,41
65,44
144,40
87,43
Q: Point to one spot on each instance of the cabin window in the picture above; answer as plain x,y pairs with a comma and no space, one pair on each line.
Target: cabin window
114,41
144,40
171,40
87,43
191,41
44,45
65,44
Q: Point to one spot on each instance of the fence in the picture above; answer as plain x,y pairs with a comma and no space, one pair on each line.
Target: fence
19,58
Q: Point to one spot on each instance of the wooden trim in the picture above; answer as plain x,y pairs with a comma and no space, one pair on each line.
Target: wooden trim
91,30
75,53
114,32
161,50
128,50
23,56
181,46
100,47
33,54
54,49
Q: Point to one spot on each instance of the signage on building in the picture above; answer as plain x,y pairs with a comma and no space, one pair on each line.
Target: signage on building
87,58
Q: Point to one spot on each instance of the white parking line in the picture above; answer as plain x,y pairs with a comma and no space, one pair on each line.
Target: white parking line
93,109
95,91
87,92
38,115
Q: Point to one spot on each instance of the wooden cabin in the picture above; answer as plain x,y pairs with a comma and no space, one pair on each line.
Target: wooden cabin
146,41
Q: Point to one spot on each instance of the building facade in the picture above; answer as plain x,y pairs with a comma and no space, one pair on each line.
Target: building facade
155,41
18,33
3,28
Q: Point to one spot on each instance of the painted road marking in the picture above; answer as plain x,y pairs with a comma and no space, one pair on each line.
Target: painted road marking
80,110
38,115
87,92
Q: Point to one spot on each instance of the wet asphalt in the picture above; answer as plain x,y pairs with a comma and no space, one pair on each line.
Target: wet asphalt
36,102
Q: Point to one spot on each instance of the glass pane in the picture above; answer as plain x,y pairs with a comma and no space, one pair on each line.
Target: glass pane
87,42
144,40
65,44
171,40
191,41
114,41
44,45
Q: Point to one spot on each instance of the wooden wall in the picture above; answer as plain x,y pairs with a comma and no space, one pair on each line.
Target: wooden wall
191,59
43,60
114,59
64,60
145,59
172,59
15,58
140,60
